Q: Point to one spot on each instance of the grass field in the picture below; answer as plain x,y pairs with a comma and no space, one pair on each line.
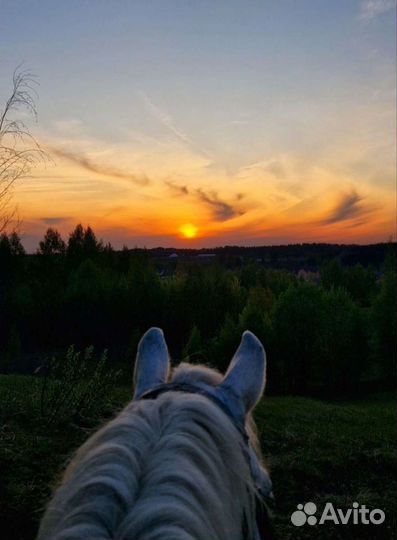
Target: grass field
316,451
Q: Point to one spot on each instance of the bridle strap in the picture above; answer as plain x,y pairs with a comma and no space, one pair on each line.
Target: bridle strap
263,525
201,390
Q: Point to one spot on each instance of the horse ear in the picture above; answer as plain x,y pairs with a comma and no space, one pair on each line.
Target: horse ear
246,375
152,362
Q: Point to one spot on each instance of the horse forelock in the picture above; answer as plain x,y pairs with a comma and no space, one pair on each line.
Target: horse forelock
190,374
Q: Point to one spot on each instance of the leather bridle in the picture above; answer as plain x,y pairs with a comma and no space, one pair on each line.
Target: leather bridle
263,499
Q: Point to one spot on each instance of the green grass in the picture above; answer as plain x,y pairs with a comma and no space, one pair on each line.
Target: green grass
316,452
339,453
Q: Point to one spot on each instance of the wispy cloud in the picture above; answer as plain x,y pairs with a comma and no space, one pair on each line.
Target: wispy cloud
369,9
105,170
221,210
69,126
56,220
164,118
273,166
349,207
176,188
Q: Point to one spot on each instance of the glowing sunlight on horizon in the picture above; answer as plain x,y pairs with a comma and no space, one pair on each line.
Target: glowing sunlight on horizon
209,125
188,230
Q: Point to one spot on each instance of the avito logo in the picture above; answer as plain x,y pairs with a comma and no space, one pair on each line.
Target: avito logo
358,514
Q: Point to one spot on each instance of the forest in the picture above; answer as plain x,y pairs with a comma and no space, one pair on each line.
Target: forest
327,332
72,315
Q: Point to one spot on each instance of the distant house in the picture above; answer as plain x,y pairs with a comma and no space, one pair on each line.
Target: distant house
307,275
173,256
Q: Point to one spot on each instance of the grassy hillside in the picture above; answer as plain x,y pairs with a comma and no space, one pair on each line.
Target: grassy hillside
316,451
339,453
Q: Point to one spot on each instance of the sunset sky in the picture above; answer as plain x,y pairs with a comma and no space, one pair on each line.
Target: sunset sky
208,122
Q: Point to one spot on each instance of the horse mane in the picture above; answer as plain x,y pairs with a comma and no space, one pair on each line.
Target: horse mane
168,468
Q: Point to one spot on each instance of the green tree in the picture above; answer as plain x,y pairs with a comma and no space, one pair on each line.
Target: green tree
194,348
75,247
91,246
225,344
332,274
346,347
83,244
16,244
5,247
298,335
256,313
12,351
384,324
361,284
52,244
11,257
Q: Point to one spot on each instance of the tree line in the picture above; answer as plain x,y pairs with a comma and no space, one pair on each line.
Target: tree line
325,336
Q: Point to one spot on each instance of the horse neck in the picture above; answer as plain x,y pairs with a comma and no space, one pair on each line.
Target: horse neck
169,468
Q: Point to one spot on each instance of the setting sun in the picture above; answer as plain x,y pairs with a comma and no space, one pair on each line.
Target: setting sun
178,161
188,230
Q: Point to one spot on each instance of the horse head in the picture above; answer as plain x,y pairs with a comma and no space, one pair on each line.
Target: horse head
181,461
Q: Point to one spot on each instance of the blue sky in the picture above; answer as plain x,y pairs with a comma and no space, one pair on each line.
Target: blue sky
207,91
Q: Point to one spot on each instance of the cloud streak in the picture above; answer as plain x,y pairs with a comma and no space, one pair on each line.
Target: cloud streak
168,122
104,170
221,210
369,9
164,118
349,207
177,189
55,220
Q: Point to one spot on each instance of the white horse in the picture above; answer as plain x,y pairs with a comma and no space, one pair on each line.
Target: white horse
180,462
